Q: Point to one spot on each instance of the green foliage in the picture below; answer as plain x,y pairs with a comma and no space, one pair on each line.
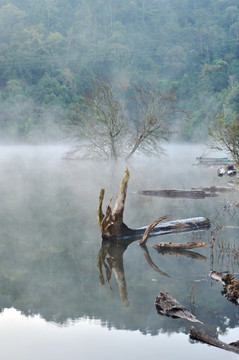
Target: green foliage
51,48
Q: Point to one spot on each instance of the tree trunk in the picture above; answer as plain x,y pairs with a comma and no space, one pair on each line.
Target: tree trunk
112,226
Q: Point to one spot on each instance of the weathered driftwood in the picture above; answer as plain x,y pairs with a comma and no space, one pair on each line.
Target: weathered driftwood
198,335
180,249
168,306
178,246
230,285
150,228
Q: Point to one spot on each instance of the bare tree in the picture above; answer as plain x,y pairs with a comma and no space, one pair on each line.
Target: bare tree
225,135
103,129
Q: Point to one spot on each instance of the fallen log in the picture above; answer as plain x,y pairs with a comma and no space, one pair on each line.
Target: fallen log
177,193
230,285
198,335
178,246
168,306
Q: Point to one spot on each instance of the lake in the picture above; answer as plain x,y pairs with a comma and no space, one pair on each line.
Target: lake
53,302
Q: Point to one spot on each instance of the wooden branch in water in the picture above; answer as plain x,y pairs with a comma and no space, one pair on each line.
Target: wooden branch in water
150,228
198,335
167,305
178,246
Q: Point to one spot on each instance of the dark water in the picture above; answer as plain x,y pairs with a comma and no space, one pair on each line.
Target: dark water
52,303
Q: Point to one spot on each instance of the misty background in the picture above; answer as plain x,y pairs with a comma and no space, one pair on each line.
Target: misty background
51,48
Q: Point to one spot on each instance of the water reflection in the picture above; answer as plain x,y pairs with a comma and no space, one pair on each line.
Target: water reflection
49,243
110,257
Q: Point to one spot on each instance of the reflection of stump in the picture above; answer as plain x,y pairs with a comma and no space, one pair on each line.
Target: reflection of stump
111,258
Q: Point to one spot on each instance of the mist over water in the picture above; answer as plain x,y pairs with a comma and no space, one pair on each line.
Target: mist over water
50,241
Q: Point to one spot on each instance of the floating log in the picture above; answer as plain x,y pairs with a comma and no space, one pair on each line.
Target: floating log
175,226
178,246
193,193
230,285
177,193
180,249
198,335
168,306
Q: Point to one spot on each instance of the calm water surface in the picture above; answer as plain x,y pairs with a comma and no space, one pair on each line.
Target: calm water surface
53,303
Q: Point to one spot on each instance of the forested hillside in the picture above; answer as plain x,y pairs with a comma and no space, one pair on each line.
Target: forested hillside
49,50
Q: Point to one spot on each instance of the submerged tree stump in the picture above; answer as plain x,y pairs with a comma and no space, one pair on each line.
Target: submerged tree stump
112,226
111,223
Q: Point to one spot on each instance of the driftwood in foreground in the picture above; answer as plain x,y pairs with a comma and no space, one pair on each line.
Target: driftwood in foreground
230,285
198,335
112,226
168,306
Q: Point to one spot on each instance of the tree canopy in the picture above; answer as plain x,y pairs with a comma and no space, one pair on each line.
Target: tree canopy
50,49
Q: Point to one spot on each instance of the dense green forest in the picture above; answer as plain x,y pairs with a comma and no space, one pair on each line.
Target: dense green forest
51,48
